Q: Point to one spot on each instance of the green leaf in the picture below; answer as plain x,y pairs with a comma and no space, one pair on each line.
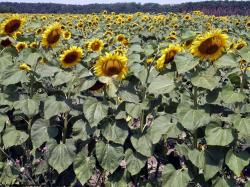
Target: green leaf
13,137
83,167
28,106
161,85
62,156
133,110
214,158
229,96
32,59
172,177
245,53
109,156
188,35
86,84
135,162
216,135
192,119
129,96
45,70
237,161
197,158
242,125
116,132
222,182
42,167
135,48
53,107
9,175
207,81
94,111
185,62
13,77
62,77
81,130
42,132
160,126
227,60
143,144
3,120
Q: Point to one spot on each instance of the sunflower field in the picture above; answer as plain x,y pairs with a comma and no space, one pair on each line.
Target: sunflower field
120,100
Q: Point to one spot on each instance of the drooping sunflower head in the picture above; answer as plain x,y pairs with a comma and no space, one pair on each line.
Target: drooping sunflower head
12,25
209,46
21,45
51,35
71,57
167,55
112,65
6,42
95,45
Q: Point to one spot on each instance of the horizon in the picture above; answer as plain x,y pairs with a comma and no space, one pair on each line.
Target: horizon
86,2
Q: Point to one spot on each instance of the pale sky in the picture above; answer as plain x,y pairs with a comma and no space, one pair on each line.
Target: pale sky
84,2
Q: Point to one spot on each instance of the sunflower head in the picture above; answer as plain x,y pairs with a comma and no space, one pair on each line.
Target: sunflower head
33,45
248,24
209,46
66,35
95,45
21,45
120,38
51,35
24,67
12,25
167,55
112,65
71,57
240,44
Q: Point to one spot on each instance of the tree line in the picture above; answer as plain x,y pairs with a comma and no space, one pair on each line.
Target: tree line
218,8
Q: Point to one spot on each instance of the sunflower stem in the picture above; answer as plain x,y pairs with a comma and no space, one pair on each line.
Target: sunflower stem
65,127
195,97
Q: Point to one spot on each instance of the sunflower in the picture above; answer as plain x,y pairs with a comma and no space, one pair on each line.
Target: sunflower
12,25
21,45
240,44
120,38
248,24
33,45
71,57
210,46
112,64
95,45
51,35
66,35
167,55
24,67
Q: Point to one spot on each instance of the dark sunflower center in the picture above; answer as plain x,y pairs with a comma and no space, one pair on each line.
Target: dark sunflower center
112,67
98,85
170,56
71,57
21,46
53,36
12,26
207,47
6,42
95,46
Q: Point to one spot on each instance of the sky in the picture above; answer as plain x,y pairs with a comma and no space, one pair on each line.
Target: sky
84,2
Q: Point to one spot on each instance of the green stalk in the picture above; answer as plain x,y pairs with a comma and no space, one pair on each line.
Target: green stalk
65,127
